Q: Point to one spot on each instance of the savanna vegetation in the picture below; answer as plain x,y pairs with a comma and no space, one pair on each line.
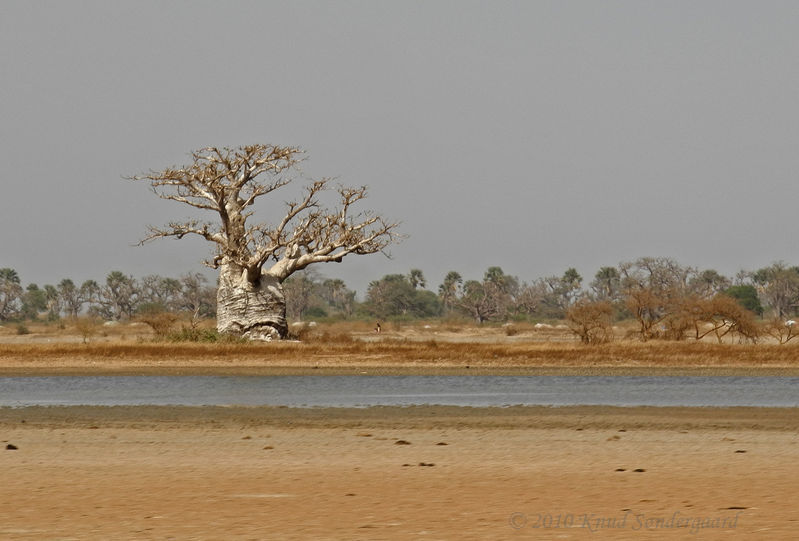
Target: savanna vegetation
642,300
352,345
267,278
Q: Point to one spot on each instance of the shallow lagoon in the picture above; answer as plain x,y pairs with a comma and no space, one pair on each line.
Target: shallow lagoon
367,390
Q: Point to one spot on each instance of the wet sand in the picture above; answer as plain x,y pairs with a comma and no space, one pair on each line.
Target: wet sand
398,473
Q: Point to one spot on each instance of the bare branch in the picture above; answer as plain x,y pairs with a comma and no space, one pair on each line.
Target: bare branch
322,237
228,182
181,229
223,181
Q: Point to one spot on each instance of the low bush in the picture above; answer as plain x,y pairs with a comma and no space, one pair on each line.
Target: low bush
160,322
196,334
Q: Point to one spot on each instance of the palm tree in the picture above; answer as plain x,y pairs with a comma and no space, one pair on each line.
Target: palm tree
10,293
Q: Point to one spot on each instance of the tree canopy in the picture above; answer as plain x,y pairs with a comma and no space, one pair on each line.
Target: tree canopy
228,182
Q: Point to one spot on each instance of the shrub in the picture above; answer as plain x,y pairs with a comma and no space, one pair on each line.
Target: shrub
195,334
316,312
725,315
160,322
782,331
86,327
591,321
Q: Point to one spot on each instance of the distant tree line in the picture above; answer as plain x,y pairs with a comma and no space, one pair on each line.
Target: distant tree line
309,295
119,297
664,298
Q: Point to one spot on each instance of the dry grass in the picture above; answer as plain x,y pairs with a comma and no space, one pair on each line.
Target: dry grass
91,329
355,344
342,350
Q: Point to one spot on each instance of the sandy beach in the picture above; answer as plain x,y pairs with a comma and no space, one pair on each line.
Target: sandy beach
398,473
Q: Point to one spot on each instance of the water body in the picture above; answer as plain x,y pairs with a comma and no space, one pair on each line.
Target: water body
362,391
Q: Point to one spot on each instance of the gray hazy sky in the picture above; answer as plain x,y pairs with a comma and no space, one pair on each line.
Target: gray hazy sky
530,135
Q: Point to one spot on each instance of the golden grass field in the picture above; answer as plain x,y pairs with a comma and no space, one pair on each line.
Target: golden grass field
420,347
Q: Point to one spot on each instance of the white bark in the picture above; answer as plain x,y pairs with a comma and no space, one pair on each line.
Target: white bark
226,182
254,310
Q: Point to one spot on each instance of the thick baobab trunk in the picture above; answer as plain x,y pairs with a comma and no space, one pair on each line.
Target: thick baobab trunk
254,309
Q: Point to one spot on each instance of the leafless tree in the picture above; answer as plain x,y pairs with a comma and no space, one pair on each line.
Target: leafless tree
531,297
654,289
300,290
70,297
481,300
255,258
561,292
778,285
160,291
196,297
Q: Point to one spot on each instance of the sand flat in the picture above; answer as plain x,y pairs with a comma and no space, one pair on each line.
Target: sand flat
332,473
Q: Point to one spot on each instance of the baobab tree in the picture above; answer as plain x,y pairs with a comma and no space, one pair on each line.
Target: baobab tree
254,259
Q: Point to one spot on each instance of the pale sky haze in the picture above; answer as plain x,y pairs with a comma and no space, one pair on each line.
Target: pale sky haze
533,135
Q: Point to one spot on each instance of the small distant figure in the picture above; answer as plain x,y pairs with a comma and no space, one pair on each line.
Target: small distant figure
377,328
